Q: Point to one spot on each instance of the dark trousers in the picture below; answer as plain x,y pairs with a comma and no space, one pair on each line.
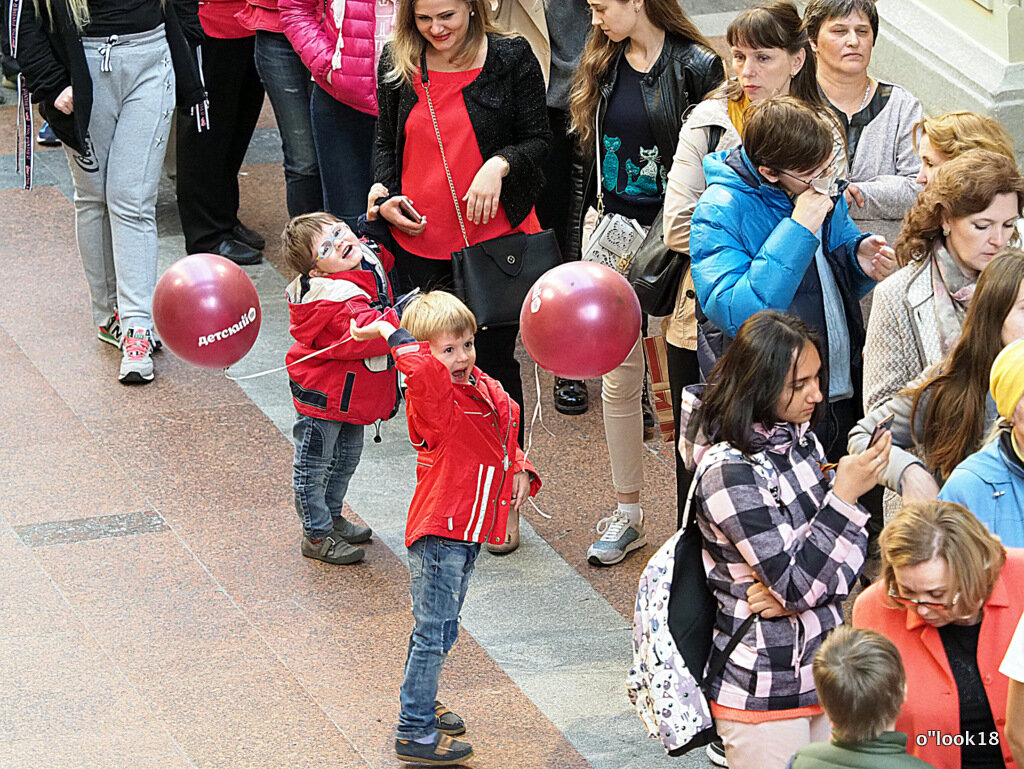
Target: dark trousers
208,162
343,137
683,371
495,347
555,197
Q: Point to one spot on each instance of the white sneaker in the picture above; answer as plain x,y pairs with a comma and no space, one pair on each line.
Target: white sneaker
618,537
136,357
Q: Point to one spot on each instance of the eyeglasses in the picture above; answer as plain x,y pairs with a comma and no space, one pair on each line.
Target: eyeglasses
825,183
338,231
913,603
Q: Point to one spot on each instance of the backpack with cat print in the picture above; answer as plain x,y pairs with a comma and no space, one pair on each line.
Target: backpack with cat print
673,625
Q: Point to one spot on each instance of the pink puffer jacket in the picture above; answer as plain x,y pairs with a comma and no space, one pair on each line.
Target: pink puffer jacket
350,57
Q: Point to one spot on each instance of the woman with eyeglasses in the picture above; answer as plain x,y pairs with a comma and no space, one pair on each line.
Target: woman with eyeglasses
949,598
959,222
772,231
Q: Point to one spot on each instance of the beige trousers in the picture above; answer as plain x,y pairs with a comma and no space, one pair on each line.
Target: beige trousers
621,392
770,745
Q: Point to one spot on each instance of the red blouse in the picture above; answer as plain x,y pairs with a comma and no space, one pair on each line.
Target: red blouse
423,177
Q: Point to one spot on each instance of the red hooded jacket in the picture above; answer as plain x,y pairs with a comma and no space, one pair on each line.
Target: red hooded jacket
355,382
466,439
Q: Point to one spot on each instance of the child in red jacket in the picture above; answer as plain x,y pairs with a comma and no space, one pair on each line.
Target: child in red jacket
350,384
469,471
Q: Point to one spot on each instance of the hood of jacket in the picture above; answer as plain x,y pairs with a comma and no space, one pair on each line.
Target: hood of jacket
694,444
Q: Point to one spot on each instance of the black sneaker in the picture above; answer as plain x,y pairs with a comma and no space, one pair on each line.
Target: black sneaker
447,721
351,532
716,754
332,549
442,751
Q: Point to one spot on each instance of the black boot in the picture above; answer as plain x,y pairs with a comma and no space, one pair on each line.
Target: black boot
650,418
571,396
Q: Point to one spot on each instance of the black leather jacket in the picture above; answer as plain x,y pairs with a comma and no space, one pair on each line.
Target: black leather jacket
683,75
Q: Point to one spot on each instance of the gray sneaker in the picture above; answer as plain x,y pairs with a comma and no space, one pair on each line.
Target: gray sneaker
332,549
618,537
351,532
136,357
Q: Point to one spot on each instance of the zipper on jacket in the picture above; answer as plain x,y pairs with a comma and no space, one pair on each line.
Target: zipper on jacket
505,463
376,427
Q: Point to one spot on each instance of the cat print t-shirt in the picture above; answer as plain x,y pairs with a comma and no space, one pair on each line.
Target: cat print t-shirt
632,171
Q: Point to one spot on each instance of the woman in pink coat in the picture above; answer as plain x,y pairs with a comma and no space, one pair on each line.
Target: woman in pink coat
340,42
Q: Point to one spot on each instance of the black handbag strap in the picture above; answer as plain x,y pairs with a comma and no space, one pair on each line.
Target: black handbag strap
718,660
440,145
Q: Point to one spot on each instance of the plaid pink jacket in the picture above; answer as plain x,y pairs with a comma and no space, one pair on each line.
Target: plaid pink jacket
807,548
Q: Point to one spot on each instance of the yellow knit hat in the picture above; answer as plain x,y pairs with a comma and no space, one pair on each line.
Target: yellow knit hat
1007,380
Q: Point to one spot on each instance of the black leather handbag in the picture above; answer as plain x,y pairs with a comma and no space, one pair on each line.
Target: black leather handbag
494,276
656,271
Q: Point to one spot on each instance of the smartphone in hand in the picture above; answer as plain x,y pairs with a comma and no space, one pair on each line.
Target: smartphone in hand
409,211
880,428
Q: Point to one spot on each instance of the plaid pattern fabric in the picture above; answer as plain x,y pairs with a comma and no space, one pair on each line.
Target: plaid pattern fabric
808,551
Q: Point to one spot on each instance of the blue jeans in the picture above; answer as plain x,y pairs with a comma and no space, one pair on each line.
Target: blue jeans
344,149
440,569
326,456
289,87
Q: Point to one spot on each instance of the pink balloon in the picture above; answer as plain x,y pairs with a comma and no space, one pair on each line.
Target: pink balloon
580,320
206,310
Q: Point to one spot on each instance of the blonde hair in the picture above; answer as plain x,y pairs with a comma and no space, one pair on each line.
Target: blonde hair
922,531
437,312
963,186
861,683
597,56
407,44
953,133
298,239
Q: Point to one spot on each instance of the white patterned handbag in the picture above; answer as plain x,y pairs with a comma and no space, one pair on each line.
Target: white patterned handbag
616,238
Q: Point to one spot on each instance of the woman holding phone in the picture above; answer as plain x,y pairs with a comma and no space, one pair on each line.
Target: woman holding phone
488,105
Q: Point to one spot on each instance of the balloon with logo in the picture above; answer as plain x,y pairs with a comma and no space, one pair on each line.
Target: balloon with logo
206,310
580,320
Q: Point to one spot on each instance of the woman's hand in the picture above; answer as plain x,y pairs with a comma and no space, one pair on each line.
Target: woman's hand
764,604
484,194
854,197
520,489
369,332
391,211
378,190
918,485
811,208
876,259
65,101
857,474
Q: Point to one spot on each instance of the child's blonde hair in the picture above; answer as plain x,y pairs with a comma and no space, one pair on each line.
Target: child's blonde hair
861,683
437,312
300,237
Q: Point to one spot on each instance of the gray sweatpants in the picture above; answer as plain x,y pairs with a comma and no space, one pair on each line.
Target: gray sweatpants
116,179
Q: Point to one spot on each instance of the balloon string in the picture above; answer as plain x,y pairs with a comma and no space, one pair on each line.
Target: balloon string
529,438
348,337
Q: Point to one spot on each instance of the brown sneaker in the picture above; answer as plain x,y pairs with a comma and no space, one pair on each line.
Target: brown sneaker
332,549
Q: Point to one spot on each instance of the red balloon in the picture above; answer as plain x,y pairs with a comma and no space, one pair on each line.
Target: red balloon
580,320
206,310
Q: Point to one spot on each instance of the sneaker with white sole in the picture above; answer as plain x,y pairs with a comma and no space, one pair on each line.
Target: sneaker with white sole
716,754
618,537
110,331
136,357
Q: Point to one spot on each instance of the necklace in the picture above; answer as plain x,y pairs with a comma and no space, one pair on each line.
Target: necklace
867,92
653,57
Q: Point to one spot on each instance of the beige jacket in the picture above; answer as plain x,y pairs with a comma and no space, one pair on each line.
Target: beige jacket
526,18
685,185
902,339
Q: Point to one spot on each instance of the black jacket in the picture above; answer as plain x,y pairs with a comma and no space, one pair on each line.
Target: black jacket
51,57
683,75
507,108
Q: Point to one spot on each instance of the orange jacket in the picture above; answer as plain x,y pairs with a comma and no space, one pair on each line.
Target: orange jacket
932,708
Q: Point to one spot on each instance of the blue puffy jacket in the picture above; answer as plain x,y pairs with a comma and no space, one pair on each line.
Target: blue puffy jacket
748,255
990,483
